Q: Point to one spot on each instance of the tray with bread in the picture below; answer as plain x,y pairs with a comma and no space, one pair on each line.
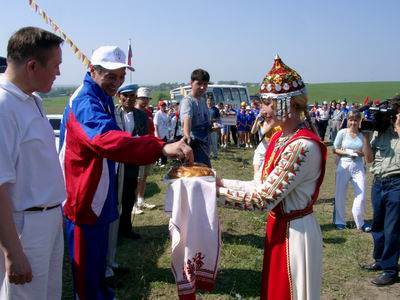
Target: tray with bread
189,170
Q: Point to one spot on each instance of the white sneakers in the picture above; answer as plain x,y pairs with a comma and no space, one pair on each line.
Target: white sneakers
138,208
137,211
146,205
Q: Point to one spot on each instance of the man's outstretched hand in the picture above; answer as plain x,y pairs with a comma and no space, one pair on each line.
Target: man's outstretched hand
180,150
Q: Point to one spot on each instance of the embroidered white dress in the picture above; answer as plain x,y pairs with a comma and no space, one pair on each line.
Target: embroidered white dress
292,182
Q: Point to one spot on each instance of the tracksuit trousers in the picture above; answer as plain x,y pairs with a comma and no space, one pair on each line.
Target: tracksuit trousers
87,251
354,172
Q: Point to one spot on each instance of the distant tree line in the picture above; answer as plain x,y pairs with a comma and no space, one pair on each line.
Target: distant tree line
162,90
59,92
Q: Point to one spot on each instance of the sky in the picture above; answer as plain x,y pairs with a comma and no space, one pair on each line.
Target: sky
324,41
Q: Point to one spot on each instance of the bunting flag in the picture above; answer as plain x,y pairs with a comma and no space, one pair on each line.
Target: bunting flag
57,30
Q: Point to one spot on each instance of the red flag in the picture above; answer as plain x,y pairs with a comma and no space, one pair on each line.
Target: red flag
130,54
366,100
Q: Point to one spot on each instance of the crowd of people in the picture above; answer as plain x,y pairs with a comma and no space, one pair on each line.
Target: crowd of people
106,152
330,119
239,134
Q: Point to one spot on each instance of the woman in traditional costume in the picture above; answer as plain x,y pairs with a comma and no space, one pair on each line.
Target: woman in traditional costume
292,174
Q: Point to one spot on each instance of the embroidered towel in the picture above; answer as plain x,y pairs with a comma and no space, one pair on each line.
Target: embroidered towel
195,234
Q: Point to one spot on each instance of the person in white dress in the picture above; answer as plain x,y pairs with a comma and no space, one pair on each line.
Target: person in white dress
292,174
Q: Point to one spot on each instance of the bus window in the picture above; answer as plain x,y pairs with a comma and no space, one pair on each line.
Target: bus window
218,97
227,94
243,95
235,94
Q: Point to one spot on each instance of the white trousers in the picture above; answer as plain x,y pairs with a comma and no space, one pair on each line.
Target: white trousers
354,172
41,236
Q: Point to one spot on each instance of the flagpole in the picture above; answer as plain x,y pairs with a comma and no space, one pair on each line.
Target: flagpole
130,59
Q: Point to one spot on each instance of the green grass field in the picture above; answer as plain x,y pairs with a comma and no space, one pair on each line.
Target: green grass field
354,92
243,232
242,249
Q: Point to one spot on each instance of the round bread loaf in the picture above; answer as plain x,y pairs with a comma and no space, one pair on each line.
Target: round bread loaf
194,170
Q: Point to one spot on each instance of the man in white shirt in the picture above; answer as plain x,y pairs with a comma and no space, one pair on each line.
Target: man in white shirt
31,181
161,125
322,119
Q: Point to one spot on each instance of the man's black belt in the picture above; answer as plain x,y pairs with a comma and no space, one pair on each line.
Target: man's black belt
36,208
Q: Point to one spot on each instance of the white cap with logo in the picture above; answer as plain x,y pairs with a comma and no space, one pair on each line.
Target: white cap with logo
110,58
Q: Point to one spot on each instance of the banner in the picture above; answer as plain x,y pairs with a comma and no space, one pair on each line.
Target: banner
57,30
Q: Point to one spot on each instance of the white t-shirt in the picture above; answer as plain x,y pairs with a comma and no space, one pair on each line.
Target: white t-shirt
161,120
29,165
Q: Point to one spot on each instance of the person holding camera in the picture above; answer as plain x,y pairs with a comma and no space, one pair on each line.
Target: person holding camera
384,153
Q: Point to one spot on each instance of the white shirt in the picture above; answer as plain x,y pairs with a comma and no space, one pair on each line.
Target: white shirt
172,127
161,120
323,114
29,165
129,121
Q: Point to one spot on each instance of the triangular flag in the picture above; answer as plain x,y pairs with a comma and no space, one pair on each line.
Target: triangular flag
45,18
86,61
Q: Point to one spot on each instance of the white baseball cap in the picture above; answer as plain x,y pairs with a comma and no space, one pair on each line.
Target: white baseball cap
143,92
110,58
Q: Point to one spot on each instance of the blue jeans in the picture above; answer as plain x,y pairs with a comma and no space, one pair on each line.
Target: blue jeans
385,196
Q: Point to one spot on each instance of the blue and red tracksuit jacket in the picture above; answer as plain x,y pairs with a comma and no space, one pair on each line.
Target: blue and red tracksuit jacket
90,144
